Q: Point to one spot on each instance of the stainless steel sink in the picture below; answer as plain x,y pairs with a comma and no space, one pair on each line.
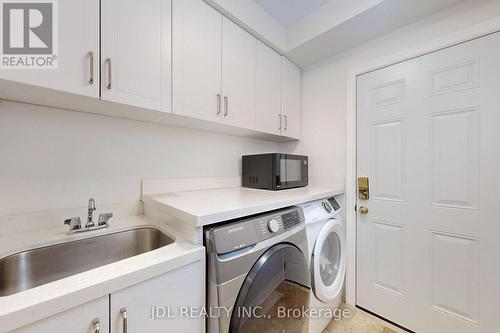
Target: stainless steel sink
32,268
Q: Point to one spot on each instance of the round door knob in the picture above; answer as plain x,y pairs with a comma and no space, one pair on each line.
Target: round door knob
363,210
273,226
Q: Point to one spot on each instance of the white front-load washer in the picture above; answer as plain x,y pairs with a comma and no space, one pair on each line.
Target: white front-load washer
327,262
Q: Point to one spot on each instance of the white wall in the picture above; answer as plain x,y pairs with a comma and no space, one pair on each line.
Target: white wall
324,85
54,159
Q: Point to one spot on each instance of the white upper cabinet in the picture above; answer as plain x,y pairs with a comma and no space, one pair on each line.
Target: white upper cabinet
292,100
268,90
197,59
78,52
238,75
179,57
136,53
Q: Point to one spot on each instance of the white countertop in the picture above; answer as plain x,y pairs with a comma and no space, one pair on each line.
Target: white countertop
204,207
44,301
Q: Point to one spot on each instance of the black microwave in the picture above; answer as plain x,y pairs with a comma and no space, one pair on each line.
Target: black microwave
274,171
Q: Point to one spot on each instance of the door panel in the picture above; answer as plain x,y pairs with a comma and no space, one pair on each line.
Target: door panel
387,160
197,59
455,158
268,90
427,133
80,35
238,75
136,52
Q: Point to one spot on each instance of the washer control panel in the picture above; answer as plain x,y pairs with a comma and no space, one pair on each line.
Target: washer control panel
291,219
246,232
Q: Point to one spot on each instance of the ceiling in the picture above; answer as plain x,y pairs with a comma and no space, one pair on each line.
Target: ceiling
289,12
380,18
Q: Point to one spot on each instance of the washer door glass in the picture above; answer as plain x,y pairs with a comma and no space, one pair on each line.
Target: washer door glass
329,260
277,284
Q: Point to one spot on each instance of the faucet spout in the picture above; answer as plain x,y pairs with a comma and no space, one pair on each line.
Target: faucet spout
90,219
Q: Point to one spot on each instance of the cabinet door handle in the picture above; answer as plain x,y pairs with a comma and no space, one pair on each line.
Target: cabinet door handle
91,67
96,325
281,121
286,122
108,65
226,107
123,313
218,104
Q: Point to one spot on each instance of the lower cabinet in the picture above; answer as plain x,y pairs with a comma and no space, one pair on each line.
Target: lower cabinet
168,303
161,304
92,317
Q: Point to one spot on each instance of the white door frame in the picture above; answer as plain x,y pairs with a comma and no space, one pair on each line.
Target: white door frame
458,37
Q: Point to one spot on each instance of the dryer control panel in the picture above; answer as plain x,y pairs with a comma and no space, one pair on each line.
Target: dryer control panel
321,210
246,232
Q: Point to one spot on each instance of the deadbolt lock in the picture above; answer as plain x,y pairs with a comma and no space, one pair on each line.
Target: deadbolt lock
363,188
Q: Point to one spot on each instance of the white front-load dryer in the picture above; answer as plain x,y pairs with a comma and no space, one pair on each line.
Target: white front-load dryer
327,261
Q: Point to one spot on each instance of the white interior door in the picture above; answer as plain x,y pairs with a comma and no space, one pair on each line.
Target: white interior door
238,75
136,59
428,139
197,58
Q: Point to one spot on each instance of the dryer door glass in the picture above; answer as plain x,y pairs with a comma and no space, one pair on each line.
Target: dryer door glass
329,260
278,282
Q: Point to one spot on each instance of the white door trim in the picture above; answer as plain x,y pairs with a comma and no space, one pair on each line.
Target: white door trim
458,37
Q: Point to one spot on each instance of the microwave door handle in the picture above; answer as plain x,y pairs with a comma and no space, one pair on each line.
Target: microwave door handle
283,176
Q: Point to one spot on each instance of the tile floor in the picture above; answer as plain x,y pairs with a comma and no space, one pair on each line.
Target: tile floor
360,322
289,295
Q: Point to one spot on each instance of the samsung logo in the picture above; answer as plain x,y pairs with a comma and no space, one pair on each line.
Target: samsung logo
230,231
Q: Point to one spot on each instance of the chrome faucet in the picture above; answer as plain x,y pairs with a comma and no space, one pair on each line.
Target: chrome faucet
75,224
90,223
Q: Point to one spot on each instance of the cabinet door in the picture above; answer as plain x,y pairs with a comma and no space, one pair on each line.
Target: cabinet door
238,75
165,296
78,53
197,47
268,90
81,319
136,60
292,99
